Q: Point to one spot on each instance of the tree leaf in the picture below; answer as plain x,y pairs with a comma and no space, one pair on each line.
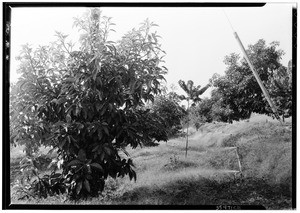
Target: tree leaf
98,106
62,143
107,151
100,135
78,187
182,97
34,172
71,80
102,155
69,139
105,130
85,113
60,163
77,111
75,162
56,175
87,185
130,162
134,175
189,85
96,148
68,118
81,155
183,86
125,152
55,101
98,166
80,126
130,175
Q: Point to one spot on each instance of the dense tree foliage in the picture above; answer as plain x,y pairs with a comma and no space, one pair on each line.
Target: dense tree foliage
88,104
167,107
238,93
280,87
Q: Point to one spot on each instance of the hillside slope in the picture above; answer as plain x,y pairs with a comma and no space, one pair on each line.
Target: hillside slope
207,176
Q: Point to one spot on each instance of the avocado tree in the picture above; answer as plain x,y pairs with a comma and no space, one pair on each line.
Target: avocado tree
193,94
87,103
280,87
167,107
239,93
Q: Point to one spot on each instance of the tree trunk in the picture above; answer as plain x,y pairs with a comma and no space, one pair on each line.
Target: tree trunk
187,129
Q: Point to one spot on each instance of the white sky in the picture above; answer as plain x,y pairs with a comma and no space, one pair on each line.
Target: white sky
196,40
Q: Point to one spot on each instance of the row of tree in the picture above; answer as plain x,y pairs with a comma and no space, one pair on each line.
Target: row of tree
90,104
237,94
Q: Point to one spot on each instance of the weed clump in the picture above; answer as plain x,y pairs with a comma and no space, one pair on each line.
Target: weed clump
176,164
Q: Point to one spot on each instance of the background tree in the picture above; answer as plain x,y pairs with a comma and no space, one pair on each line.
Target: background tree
280,87
201,113
167,107
238,90
193,94
88,104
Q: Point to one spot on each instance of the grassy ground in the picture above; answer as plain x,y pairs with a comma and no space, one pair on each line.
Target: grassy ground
206,177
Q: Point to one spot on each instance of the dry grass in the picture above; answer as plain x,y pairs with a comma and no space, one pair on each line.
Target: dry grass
166,177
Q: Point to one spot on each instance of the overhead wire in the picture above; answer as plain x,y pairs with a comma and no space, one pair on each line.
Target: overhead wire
228,20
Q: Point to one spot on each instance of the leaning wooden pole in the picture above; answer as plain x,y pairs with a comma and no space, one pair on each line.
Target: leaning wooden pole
266,94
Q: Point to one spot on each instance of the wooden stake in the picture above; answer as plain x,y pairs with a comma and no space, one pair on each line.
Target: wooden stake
238,157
